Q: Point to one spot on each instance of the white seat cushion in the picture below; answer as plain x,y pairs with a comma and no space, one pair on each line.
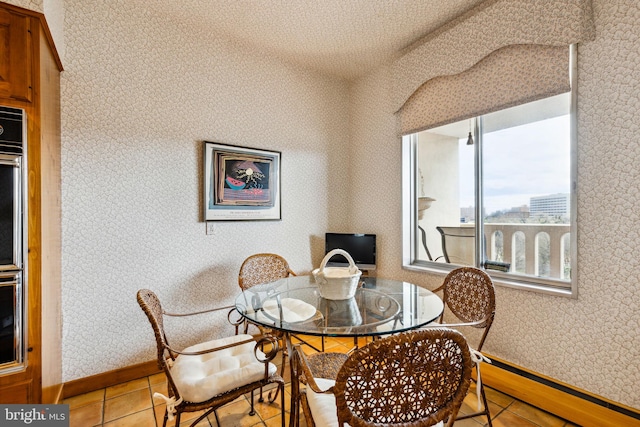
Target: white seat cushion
323,405
199,378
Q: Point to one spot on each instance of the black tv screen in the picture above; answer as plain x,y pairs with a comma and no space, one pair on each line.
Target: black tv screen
361,247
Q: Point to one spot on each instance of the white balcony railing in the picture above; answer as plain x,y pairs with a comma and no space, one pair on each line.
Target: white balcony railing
530,234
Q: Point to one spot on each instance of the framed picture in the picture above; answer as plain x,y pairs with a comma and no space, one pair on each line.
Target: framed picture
240,183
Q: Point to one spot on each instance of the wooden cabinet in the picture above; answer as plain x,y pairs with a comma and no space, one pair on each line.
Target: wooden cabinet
30,79
15,56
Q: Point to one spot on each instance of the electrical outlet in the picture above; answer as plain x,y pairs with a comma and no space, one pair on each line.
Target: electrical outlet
210,228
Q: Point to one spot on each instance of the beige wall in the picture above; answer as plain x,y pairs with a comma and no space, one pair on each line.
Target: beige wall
438,161
140,93
591,342
36,5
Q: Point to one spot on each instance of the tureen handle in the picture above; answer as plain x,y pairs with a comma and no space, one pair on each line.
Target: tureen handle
352,265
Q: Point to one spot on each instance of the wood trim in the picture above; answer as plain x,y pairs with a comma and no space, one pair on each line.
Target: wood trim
568,402
51,225
33,262
108,379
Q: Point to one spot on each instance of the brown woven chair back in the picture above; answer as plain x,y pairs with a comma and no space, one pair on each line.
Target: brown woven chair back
405,380
262,268
151,306
469,293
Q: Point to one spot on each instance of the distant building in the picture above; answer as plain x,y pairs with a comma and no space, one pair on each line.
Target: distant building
517,212
467,214
553,204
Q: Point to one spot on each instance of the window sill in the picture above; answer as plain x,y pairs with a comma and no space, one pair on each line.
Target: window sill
524,283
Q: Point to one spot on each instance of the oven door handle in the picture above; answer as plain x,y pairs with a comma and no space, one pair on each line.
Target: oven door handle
10,277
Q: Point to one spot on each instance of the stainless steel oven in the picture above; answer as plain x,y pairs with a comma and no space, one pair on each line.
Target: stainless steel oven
12,239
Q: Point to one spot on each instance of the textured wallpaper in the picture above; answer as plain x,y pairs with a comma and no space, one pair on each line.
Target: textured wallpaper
476,91
36,5
139,95
591,342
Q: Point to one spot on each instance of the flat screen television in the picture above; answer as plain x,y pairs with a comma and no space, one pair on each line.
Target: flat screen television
361,247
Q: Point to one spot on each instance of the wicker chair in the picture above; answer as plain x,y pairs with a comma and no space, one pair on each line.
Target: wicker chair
417,378
191,384
262,268
469,295
259,269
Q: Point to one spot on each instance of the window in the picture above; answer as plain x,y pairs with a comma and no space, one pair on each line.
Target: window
496,192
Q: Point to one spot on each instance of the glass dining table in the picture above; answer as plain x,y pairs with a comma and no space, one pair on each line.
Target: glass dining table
380,307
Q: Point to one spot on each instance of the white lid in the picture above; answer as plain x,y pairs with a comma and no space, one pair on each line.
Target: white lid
338,272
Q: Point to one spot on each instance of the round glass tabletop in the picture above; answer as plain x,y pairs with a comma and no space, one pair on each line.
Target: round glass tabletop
379,307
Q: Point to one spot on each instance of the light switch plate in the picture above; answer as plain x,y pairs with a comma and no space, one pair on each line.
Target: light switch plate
210,228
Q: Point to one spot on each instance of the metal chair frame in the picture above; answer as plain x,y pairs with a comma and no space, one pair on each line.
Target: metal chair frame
151,306
469,294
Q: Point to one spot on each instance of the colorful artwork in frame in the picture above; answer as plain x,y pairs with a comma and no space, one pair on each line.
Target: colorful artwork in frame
241,183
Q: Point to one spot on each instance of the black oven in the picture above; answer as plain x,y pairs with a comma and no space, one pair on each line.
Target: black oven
11,212
12,238
11,331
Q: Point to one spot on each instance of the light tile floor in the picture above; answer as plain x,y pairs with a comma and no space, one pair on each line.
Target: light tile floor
132,404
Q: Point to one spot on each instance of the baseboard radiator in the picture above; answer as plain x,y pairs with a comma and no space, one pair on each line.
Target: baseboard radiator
562,400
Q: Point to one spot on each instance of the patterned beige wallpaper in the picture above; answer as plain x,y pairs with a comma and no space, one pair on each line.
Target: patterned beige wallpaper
139,95
591,342
36,5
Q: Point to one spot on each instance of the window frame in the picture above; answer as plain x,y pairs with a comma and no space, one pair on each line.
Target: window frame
411,239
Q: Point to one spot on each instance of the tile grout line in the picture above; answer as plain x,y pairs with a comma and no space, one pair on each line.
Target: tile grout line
153,405
104,406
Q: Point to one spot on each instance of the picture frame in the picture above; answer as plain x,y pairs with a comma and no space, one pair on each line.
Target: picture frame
241,183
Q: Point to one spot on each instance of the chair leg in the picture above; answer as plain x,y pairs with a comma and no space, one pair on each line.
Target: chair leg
281,386
215,412
484,412
273,394
486,406
253,409
303,404
202,417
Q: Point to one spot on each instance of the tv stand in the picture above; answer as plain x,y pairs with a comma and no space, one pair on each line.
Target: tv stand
369,273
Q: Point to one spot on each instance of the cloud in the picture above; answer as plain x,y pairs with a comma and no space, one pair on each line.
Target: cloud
519,163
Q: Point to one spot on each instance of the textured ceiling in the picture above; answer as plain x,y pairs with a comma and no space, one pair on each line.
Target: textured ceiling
342,38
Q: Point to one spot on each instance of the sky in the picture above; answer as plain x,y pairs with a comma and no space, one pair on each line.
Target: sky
519,163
